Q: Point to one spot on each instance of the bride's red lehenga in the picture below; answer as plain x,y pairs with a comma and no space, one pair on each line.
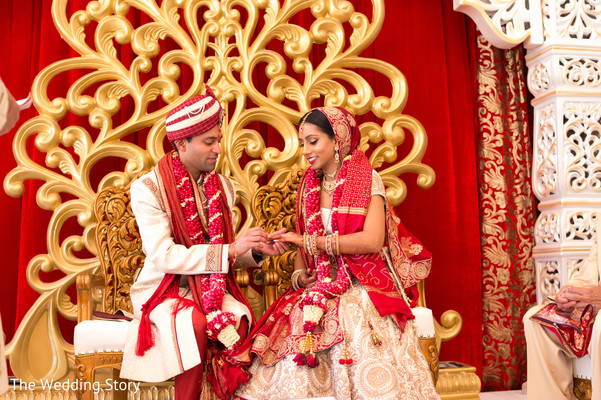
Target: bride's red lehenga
364,344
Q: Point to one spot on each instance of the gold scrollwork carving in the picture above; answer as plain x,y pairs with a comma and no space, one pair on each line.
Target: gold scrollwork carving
225,44
119,246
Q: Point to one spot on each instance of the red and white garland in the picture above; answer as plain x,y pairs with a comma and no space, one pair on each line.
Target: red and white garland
220,324
314,302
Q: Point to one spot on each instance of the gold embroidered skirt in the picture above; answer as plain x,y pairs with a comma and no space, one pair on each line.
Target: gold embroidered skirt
394,370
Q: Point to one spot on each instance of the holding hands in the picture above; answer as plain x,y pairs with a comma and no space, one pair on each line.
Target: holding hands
292,238
258,239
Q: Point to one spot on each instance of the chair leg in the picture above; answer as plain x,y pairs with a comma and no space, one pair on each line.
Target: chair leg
428,347
84,372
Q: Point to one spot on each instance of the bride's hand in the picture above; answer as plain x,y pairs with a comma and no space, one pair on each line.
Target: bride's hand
292,238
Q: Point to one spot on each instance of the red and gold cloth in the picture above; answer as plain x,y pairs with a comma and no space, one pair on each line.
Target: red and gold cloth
507,213
572,329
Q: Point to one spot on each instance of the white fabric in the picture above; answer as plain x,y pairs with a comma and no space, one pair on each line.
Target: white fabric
175,348
3,370
163,256
424,322
583,368
97,336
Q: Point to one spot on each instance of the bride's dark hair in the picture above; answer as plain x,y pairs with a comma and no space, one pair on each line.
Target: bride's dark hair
319,119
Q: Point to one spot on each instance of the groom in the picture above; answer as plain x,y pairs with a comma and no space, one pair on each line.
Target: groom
186,297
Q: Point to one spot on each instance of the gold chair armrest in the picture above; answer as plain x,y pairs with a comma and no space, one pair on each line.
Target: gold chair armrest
85,283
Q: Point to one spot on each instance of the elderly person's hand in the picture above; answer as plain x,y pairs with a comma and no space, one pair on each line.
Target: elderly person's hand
579,297
562,302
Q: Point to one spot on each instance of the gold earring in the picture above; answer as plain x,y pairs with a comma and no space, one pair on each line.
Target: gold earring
336,155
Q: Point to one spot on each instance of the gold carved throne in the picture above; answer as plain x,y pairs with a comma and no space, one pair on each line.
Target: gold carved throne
137,60
99,343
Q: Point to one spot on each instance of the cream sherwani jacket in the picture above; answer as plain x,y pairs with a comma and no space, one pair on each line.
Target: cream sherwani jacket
175,349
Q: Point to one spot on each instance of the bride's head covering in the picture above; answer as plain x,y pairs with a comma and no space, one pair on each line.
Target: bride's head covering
344,125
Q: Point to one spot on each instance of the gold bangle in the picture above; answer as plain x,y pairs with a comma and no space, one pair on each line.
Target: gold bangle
314,244
329,245
337,243
294,278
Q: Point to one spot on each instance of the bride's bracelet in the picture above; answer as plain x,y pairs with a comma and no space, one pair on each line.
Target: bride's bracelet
332,247
295,277
310,244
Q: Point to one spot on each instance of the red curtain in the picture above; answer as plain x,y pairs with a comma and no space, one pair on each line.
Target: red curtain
507,208
429,42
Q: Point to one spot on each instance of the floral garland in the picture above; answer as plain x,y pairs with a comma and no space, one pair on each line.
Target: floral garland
220,324
314,302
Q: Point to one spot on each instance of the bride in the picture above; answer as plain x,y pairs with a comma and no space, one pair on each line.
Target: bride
344,328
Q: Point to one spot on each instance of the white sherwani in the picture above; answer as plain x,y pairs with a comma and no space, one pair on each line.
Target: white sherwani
549,365
175,349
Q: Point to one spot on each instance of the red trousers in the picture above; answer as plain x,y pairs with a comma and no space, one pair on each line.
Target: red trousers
188,384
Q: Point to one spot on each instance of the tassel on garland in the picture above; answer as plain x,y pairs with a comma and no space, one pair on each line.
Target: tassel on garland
304,358
345,359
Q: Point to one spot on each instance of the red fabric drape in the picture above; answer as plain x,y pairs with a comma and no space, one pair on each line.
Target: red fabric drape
427,41
507,207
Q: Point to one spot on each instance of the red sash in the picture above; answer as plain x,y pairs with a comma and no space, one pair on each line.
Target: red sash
369,269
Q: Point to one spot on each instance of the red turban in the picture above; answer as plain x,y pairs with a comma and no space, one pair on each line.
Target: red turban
194,116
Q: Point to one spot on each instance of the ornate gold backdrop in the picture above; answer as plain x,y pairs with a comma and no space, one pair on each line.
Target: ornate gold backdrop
226,45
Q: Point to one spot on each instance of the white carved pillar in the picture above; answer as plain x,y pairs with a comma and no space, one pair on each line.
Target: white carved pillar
563,41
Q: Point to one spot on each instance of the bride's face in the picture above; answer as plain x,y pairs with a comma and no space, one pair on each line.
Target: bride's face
318,148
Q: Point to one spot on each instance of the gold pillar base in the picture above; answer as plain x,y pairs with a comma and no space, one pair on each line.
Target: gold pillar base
457,381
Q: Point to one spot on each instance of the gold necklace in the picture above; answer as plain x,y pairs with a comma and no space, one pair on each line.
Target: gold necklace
328,186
